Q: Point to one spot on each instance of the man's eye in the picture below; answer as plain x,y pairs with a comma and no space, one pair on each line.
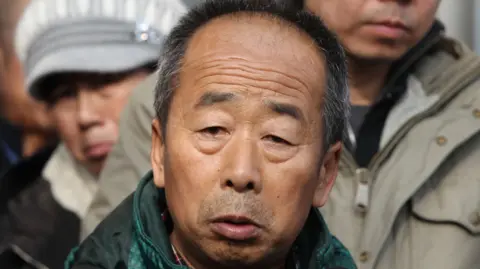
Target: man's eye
213,131
61,93
278,140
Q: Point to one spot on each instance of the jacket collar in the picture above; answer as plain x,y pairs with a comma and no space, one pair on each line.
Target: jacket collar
405,65
315,246
65,174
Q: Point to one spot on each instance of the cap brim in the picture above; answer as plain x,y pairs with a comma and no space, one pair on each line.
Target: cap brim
100,58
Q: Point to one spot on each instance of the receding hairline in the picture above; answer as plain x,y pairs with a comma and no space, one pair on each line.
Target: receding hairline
247,16
285,27
303,42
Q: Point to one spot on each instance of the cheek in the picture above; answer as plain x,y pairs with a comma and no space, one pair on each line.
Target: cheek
426,17
331,10
68,131
190,177
289,189
65,123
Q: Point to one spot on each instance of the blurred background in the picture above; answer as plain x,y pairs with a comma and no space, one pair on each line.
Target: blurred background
462,19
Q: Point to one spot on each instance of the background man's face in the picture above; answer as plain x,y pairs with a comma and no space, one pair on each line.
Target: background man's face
86,110
376,29
242,163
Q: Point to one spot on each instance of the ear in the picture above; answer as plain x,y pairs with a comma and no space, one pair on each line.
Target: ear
157,154
327,175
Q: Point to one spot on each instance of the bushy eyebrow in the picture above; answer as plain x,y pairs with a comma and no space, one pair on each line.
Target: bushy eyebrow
212,98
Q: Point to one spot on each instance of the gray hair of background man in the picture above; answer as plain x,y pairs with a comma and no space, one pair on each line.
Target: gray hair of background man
336,98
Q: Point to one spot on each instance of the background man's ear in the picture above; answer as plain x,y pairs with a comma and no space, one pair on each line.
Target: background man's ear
327,175
157,154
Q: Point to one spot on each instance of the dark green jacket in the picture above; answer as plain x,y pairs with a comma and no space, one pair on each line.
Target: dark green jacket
134,236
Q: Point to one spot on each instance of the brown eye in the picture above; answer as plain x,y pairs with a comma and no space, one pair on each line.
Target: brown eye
213,131
278,140
61,92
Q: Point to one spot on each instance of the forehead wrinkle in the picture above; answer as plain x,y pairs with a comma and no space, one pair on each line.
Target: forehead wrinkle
246,91
252,63
247,75
247,46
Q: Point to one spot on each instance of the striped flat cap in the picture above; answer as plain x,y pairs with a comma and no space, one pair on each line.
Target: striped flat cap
105,36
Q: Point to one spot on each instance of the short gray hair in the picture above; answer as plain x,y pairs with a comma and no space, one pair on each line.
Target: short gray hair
336,100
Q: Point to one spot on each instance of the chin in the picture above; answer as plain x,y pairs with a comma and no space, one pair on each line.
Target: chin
95,168
238,255
378,52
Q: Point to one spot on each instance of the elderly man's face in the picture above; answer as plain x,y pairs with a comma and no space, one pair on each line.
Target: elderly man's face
377,29
242,159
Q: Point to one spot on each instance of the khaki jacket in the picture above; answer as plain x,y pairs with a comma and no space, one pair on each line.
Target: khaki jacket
417,205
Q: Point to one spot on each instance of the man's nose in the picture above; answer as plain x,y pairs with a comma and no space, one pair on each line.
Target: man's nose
243,168
87,114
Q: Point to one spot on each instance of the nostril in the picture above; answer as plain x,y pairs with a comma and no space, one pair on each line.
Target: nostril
250,186
229,183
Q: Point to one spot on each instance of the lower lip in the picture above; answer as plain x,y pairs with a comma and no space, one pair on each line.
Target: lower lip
238,232
387,31
99,150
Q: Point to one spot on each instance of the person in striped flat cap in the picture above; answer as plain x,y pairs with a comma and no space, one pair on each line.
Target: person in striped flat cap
81,58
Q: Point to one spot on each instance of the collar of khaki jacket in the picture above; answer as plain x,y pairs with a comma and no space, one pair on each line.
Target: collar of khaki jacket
148,245
72,185
424,182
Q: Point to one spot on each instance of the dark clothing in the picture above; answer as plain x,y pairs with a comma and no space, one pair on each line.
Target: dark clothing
10,145
136,236
357,116
35,230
